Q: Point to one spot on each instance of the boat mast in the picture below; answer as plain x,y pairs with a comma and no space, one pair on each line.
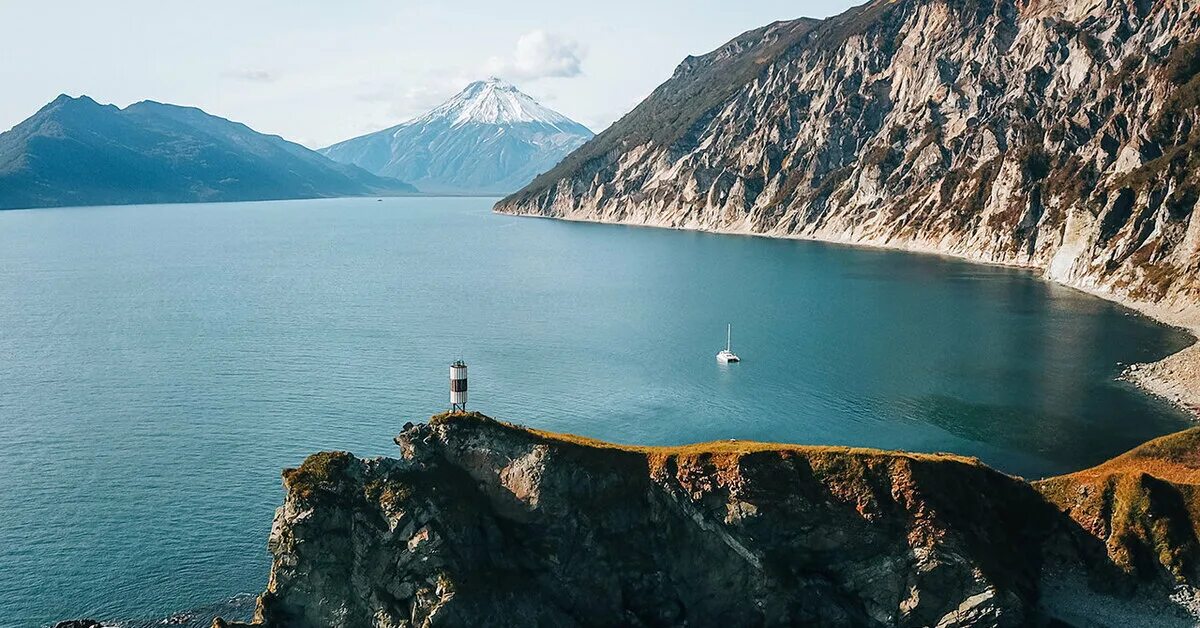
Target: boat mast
728,334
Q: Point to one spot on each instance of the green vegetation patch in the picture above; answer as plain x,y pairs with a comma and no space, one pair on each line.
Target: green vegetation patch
390,491
449,418
321,471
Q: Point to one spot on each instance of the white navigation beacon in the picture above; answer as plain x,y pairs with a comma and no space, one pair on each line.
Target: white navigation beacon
458,387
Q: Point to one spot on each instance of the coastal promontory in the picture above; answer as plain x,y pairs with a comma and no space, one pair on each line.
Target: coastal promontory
481,522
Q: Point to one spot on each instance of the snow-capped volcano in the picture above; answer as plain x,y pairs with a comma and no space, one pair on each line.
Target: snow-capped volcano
495,101
490,138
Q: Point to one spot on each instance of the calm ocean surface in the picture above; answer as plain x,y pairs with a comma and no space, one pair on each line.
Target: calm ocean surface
159,365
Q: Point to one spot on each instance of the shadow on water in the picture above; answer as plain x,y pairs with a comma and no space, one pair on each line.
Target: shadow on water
1071,437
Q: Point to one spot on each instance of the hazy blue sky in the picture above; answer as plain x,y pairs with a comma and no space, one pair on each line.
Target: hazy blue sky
317,71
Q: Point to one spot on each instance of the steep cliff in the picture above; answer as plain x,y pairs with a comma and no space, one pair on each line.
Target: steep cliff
486,523
1056,134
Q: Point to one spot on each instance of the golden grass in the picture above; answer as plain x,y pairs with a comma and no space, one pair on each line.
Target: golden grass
1145,504
1174,458
850,472
719,447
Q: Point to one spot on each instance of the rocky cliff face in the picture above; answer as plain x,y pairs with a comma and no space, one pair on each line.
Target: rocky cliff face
485,523
1055,134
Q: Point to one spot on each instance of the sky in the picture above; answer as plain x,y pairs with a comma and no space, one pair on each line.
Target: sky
318,72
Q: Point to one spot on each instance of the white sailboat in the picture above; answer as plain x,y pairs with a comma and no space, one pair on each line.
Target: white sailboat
725,356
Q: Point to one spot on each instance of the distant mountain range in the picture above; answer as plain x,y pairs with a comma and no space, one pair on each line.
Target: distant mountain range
75,151
491,138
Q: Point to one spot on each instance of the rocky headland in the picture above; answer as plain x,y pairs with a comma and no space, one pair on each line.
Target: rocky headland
480,522
1056,135
1061,136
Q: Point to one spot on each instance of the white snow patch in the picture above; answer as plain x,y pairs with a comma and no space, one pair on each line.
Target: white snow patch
495,101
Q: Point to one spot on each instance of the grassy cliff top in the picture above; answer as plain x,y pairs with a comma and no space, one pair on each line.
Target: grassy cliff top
321,470
1144,505
1174,458
718,447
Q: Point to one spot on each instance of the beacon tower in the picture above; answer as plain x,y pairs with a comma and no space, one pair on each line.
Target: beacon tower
458,387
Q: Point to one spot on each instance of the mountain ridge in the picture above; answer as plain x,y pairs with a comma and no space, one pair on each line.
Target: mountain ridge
76,151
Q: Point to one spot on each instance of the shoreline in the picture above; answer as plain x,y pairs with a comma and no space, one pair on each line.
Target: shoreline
1175,378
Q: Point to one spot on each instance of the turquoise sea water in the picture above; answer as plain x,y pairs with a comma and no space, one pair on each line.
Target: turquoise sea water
159,365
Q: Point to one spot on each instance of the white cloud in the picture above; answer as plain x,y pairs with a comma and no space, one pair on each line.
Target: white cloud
539,55
395,100
251,75
407,101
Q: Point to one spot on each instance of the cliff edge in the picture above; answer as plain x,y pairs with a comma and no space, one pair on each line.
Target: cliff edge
486,523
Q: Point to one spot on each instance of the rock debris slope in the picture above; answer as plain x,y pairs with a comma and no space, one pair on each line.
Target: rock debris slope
1055,134
486,523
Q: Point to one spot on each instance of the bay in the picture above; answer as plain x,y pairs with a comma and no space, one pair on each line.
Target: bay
159,366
